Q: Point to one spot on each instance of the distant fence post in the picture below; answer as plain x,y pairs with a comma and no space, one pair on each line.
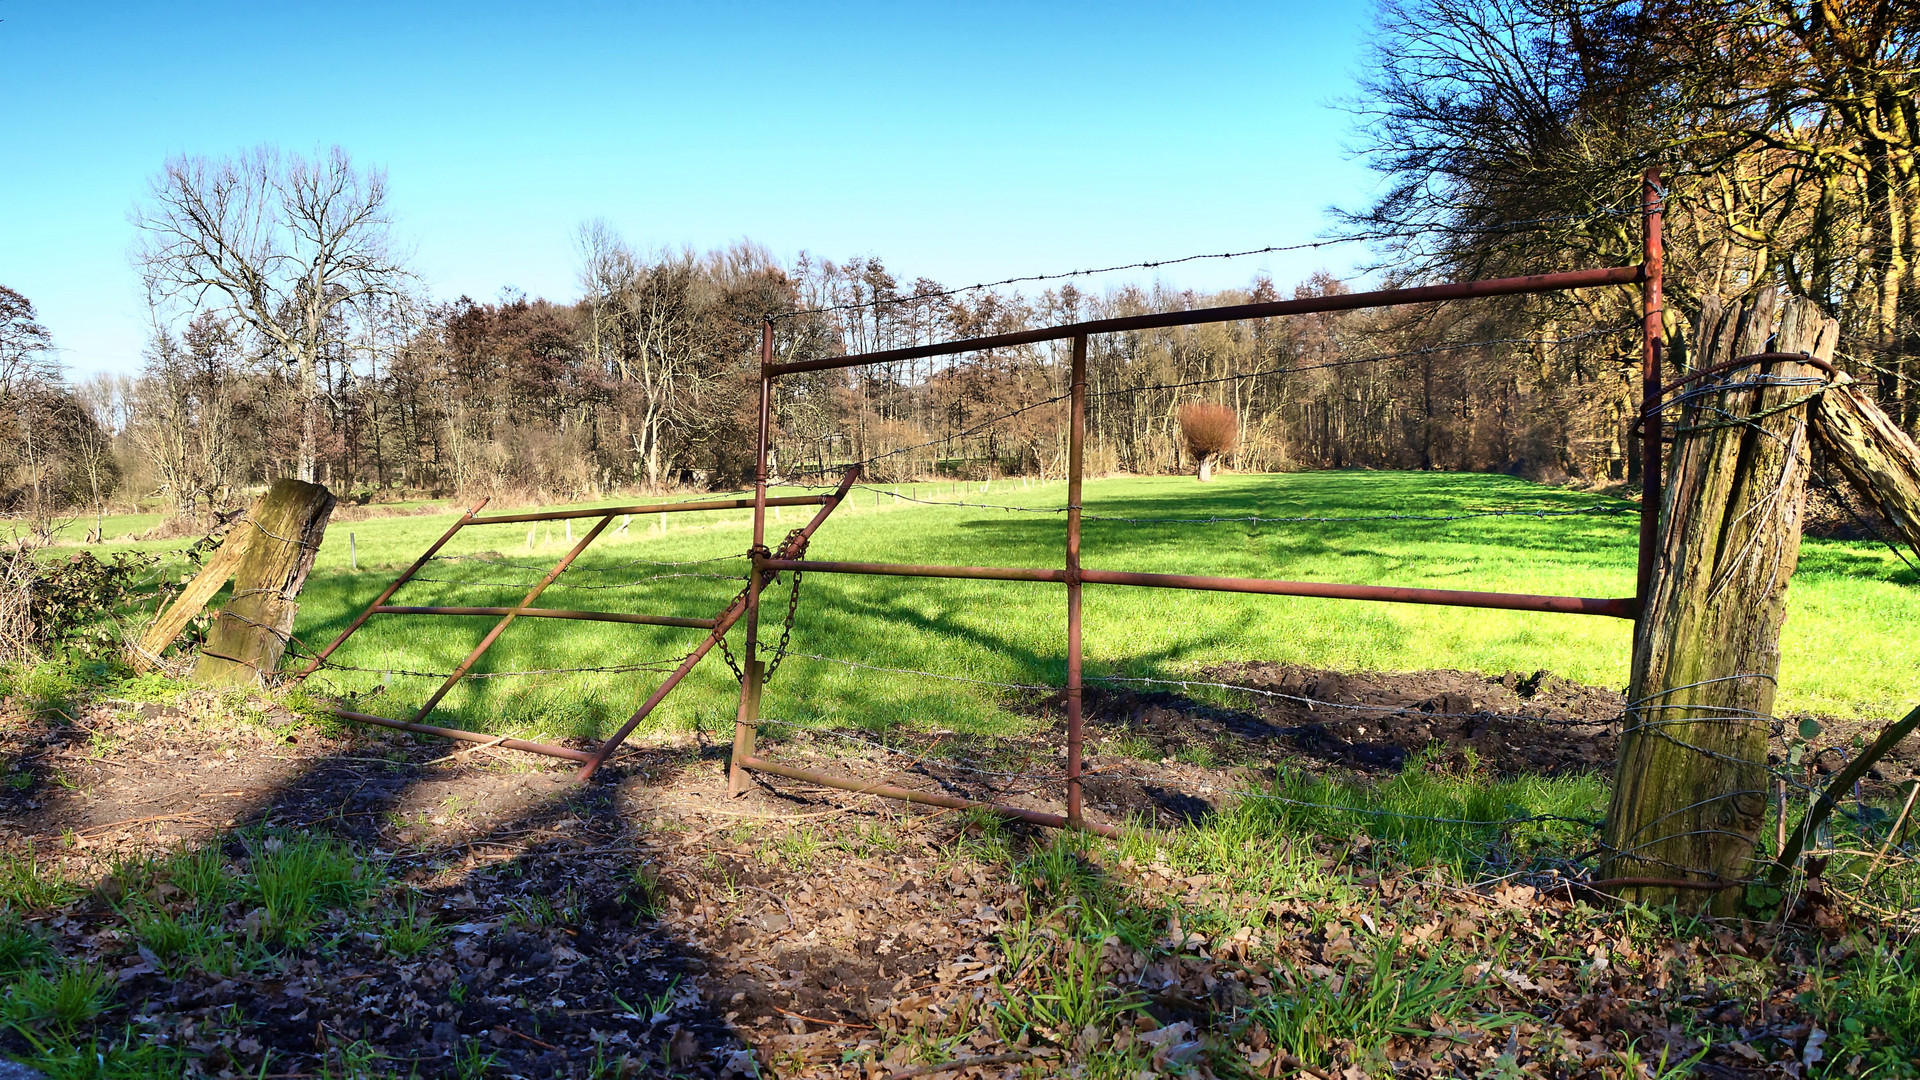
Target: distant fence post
1691,789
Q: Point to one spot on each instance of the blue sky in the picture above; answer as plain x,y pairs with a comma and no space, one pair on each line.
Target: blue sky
963,142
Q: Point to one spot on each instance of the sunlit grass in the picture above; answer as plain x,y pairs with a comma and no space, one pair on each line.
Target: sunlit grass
1848,646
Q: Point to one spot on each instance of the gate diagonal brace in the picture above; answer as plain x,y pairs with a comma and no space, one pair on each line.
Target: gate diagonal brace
794,545
791,550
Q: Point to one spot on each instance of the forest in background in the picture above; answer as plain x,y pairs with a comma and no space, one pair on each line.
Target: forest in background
291,340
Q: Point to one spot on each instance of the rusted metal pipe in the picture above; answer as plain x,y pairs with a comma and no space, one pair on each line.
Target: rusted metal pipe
1618,607
552,613
463,735
1653,339
650,508
499,628
1743,361
721,624
405,576
1423,294
888,791
1076,455
980,573
747,711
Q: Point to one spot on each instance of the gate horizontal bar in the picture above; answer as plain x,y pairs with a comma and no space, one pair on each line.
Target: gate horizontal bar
551,613
463,735
1619,607
649,508
984,573
1423,294
888,791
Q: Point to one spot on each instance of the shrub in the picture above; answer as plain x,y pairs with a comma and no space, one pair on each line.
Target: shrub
1210,430
66,604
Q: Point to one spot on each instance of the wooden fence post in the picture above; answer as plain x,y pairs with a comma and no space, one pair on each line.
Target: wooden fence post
1880,460
1691,790
248,638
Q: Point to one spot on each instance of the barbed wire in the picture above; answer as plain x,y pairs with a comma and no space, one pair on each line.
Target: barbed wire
1853,358
1311,702
793,479
1290,369
560,584
1314,703
615,669
1506,822
577,568
1298,369
1466,515
924,756
938,294
941,294
1820,476
928,674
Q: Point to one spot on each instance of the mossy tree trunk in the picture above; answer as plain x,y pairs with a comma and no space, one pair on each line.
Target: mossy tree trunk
248,638
1690,793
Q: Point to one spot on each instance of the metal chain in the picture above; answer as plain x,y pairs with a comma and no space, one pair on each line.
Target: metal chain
727,655
793,602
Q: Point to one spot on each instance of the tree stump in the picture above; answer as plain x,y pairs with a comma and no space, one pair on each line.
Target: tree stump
284,532
1690,793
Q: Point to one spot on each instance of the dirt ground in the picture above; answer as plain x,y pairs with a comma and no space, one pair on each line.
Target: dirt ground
783,932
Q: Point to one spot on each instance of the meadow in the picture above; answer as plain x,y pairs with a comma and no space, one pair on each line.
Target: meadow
1848,647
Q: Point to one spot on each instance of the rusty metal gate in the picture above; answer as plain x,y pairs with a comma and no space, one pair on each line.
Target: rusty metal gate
768,565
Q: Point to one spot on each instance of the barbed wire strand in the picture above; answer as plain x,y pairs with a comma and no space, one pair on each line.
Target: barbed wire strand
1309,245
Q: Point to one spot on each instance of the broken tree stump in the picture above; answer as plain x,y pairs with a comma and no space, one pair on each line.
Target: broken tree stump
205,585
1881,461
284,532
1691,790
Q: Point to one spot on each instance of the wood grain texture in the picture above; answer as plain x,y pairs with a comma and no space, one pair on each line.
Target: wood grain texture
1881,461
250,635
1691,791
204,587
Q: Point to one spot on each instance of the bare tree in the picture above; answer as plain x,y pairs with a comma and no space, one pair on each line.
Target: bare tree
26,349
277,243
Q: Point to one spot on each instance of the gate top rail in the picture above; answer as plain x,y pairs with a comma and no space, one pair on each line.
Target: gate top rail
646,508
1307,305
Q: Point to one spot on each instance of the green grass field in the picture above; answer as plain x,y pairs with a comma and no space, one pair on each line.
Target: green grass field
1849,646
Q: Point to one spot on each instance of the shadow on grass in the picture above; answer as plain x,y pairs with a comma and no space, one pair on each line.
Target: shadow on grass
530,945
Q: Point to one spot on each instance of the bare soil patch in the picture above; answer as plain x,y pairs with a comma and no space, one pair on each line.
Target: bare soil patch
800,931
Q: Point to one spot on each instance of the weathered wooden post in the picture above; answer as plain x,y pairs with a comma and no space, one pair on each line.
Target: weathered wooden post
1690,793
1879,459
248,638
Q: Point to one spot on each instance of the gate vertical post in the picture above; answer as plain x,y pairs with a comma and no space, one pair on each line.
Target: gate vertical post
1652,340
749,716
1076,454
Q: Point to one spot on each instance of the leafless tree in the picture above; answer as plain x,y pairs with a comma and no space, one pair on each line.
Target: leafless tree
277,243
26,349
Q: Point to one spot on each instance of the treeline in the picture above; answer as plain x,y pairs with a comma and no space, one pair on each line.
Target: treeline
648,382
1513,135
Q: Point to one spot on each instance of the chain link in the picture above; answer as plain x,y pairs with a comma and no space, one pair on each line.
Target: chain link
793,547
793,602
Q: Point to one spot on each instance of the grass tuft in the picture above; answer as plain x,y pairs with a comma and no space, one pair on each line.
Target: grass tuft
1351,1014
296,880
41,1004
